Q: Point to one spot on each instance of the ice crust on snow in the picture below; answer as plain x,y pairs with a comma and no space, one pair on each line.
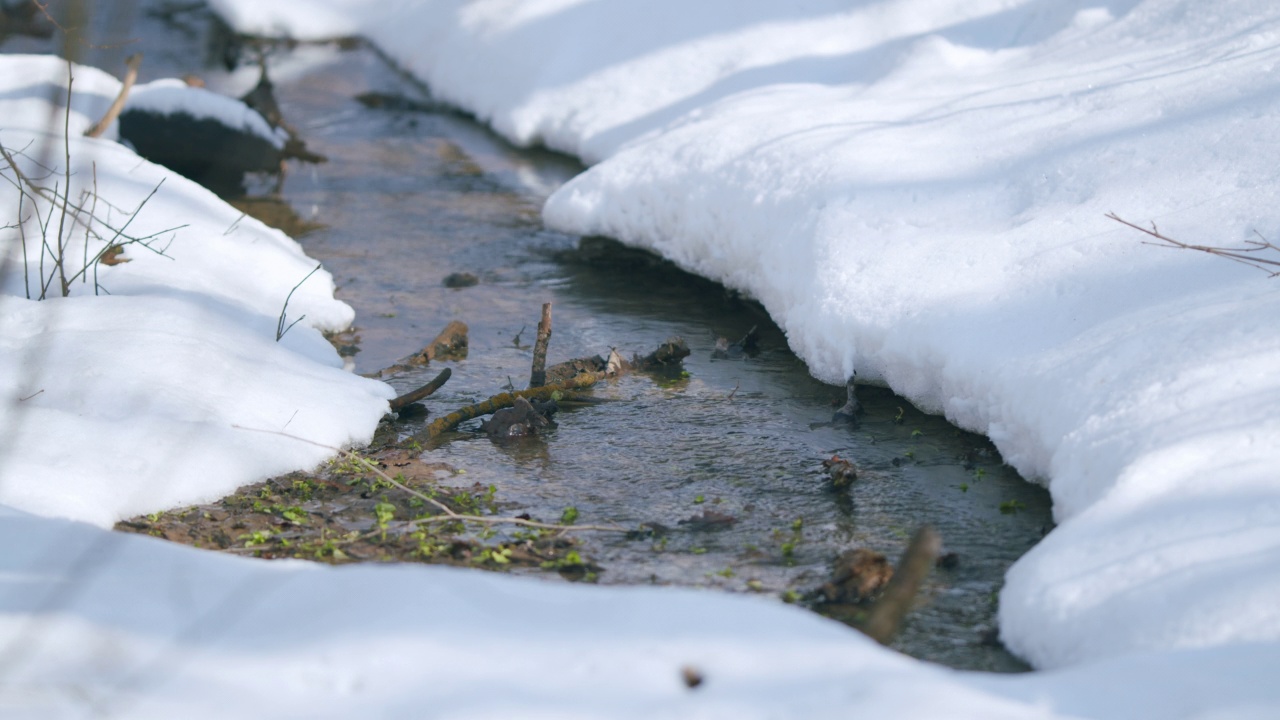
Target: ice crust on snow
917,190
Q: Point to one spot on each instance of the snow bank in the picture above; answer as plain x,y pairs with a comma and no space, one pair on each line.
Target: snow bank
169,96
126,402
916,190
128,626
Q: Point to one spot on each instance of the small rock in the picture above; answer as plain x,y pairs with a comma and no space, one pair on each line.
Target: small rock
841,471
709,520
857,576
460,280
519,420
948,561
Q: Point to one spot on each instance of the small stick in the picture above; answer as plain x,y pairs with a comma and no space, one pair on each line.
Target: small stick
425,391
502,400
886,615
538,377
113,112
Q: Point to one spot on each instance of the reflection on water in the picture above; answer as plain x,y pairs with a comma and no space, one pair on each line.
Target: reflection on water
410,196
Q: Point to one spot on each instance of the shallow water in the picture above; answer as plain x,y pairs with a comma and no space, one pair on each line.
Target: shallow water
408,197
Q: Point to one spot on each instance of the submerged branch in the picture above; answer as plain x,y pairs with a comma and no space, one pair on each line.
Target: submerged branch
503,400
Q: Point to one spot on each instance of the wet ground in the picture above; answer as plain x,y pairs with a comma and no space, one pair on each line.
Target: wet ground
411,196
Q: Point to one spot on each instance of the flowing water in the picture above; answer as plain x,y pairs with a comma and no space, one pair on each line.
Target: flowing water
410,196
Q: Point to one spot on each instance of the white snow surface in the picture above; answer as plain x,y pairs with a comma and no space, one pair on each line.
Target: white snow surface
127,401
917,190
169,96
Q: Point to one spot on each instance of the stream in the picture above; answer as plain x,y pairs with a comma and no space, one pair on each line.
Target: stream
409,196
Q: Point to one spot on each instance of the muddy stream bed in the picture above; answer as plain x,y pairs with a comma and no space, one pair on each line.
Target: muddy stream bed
413,193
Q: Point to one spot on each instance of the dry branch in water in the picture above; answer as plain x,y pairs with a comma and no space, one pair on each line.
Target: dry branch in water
538,374
1246,254
425,391
502,400
451,343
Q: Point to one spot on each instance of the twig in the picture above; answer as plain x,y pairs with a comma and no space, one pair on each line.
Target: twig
1236,254
425,391
449,514
734,391
538,376
280,327
113,112
502,400
886,615
233,225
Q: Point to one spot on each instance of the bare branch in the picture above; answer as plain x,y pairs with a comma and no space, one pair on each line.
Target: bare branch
1235,254
130,77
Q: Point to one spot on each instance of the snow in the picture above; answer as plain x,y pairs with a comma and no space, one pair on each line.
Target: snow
176,349
168,96
914,190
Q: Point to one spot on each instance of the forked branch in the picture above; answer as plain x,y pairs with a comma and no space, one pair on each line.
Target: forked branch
1249,254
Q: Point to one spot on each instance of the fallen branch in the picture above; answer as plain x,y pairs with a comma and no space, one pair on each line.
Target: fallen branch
450,343
1236,254
425,391
886,615
538,375
503,400
113,112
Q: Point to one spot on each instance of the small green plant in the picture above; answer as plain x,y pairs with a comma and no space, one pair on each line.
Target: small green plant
571,559
304,488
1009,507
899,418
699,500
698,550
964,487
916,433
155,517
497,556
569,516
790,596
725,573
385,512
295,515
979,473
256,538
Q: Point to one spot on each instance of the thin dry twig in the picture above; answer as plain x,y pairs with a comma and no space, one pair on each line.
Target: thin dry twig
1236,254
281,329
